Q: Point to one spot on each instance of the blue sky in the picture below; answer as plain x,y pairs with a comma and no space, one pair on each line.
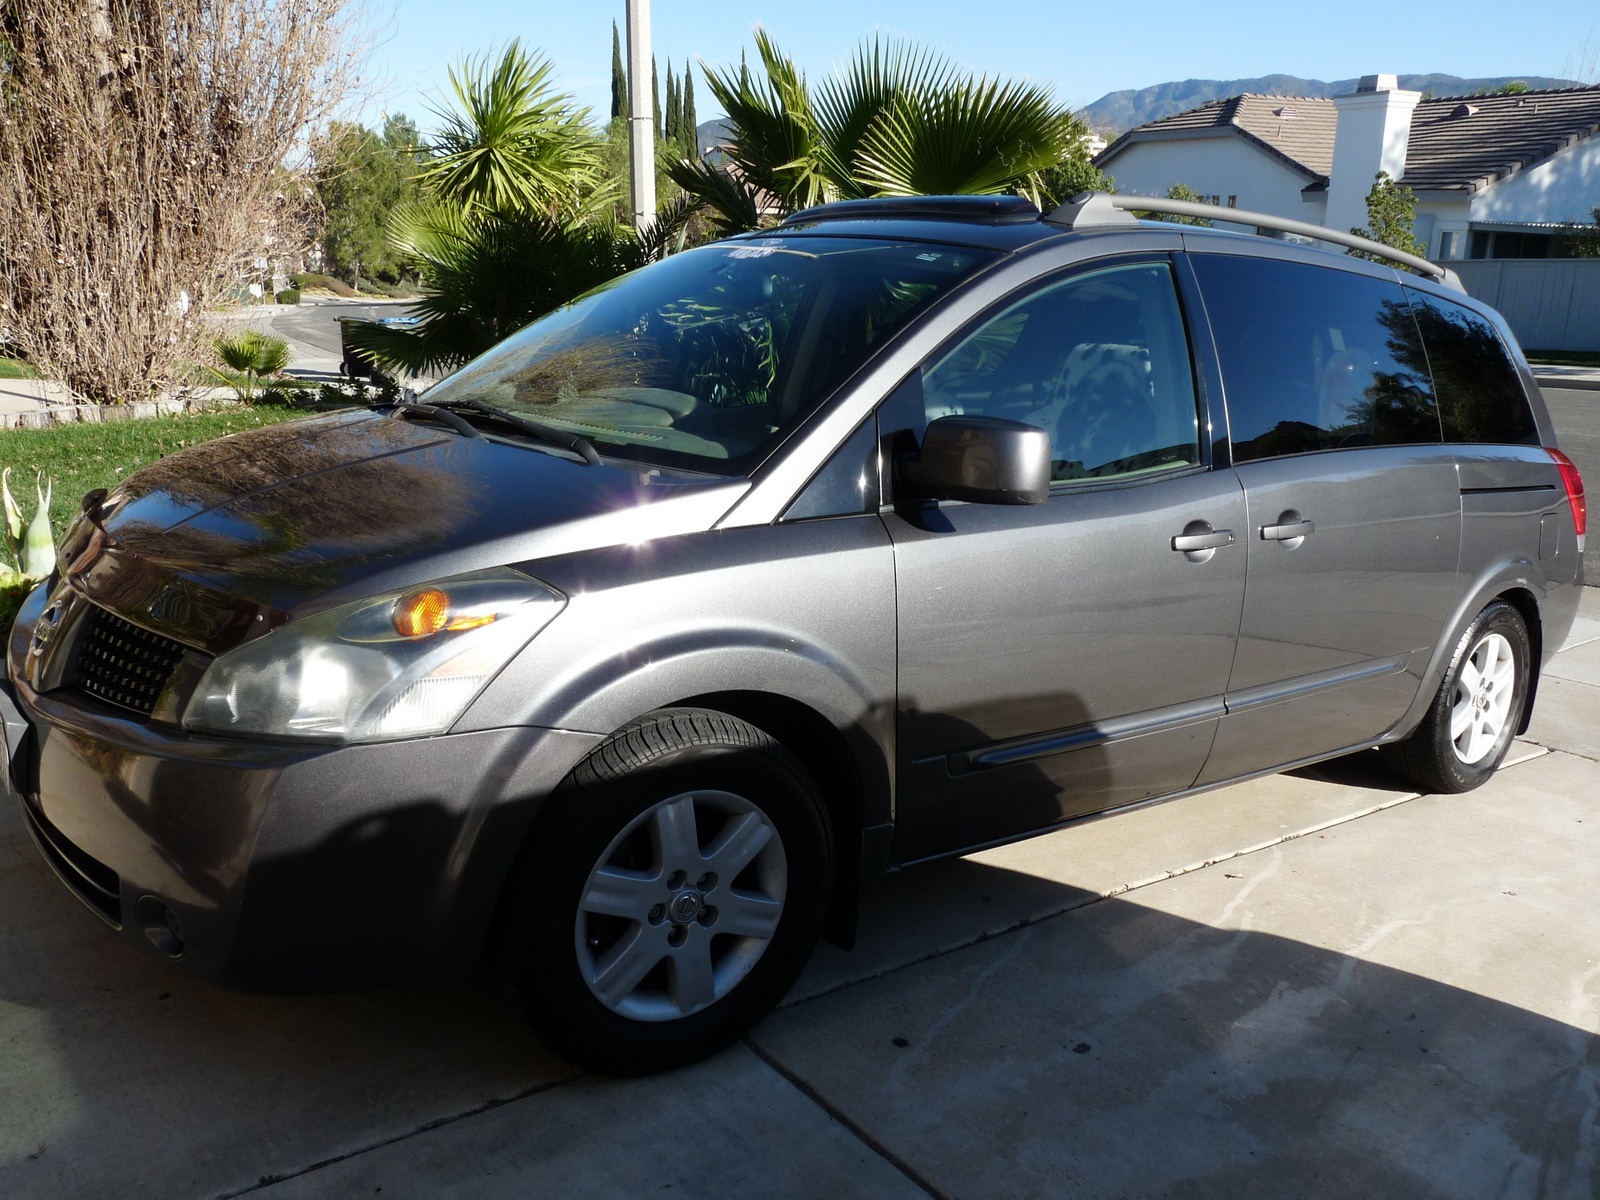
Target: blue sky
1085,50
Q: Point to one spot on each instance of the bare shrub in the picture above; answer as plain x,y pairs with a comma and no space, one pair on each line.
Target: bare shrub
143,154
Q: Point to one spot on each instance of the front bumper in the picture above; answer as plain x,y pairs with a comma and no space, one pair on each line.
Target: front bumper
286,866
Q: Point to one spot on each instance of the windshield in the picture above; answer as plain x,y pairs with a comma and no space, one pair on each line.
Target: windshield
706,360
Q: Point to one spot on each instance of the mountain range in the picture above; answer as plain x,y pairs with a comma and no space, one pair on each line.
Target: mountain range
1118,112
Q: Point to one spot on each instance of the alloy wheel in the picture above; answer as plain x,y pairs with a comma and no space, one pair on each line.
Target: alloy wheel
681,905
1485,688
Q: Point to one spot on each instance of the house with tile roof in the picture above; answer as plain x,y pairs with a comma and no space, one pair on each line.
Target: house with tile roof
1494,176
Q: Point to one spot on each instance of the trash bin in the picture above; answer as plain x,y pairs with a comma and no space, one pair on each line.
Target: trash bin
351,364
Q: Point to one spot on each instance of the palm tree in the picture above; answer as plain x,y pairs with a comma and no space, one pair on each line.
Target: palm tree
898,120
249,360
511,142
487,274
517,218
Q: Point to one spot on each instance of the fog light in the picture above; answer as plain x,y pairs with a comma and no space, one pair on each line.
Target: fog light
162,926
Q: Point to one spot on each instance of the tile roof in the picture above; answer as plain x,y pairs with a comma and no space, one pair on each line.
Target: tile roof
1503,135
1457,143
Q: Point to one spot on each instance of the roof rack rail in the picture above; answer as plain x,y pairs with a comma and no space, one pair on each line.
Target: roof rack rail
1096,209
1003,208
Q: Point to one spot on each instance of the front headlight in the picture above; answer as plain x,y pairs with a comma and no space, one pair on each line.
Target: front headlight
403,664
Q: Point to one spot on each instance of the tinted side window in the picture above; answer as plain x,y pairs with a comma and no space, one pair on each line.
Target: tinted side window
1099,360
1315,358
1480,395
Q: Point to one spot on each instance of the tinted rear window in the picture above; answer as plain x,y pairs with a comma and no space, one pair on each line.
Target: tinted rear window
1315,358
1480,395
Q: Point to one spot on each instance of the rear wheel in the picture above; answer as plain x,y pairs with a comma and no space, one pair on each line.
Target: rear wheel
1477,709
668,896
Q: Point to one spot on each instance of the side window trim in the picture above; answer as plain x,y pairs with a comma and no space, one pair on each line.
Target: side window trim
895,440
1216,444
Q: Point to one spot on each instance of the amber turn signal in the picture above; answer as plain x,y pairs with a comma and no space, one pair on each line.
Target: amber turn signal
418,614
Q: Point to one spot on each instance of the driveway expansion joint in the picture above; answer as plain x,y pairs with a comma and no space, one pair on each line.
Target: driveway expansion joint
843,1119
267,1181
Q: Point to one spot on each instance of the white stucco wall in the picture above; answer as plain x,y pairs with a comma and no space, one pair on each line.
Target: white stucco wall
1562,188
1213,166
1435,218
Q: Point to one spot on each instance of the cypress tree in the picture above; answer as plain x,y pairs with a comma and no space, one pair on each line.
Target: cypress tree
619,77
674,113
655,95
691,127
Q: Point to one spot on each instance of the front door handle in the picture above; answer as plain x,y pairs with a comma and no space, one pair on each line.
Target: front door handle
1214,540
1199,542
1287,531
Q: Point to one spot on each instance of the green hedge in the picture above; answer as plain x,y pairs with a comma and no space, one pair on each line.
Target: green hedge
288,296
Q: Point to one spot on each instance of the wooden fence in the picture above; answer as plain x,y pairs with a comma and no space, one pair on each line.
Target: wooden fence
1550,303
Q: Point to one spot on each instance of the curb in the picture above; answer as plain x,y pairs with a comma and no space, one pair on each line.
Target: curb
94,414
1571,383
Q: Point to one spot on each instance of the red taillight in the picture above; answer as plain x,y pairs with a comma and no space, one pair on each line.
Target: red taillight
1574,484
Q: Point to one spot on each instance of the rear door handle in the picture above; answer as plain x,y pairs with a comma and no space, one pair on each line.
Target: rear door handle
1203,541
1287,531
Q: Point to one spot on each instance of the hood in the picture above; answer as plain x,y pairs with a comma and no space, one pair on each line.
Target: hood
232,537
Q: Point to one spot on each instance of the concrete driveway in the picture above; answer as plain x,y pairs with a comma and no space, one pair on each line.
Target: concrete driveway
1312,984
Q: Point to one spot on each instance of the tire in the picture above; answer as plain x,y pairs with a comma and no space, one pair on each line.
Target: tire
619,940
1495,645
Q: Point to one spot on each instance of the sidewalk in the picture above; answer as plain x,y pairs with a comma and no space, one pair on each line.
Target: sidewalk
1316,984
1581,379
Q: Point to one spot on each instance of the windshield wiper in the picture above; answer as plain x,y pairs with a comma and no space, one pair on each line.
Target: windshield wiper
576,443
434,413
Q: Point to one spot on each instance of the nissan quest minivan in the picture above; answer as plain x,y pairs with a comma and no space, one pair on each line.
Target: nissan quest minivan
628,656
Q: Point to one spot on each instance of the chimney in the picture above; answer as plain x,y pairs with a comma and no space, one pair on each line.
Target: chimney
1373,131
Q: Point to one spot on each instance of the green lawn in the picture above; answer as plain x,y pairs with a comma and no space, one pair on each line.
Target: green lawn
83,457
14,368
1564,358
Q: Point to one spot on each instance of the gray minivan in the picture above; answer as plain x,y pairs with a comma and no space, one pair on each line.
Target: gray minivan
631,654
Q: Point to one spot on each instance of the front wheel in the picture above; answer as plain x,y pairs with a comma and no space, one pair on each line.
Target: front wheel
1477,709
669,895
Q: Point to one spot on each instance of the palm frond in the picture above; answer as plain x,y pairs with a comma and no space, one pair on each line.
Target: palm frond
978,136
731,204
489,274
510,140
851,101
668,232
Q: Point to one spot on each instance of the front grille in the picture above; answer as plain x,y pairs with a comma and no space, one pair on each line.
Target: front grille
121,664
95,883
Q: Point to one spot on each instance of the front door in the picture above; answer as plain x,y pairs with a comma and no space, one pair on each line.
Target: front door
1354,510
1059,659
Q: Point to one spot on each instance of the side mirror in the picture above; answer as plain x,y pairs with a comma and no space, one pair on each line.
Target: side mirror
985,460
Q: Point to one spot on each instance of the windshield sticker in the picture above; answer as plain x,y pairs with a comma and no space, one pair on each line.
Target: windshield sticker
929,257
751,252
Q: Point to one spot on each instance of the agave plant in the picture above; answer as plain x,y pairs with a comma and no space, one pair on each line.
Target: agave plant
897,120
32,545
249,361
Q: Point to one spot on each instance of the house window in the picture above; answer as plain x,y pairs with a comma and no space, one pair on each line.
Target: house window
1450,244
1233,202
1510,244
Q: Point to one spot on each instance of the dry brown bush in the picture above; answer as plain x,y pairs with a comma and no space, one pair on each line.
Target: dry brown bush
143,150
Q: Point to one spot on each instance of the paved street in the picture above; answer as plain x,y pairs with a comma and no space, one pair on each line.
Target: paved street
312,328
1311,984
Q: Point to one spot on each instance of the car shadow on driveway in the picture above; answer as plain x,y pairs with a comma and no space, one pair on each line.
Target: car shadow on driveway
1228,1032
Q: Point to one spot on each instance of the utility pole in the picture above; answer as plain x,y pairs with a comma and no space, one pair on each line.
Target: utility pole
641,125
